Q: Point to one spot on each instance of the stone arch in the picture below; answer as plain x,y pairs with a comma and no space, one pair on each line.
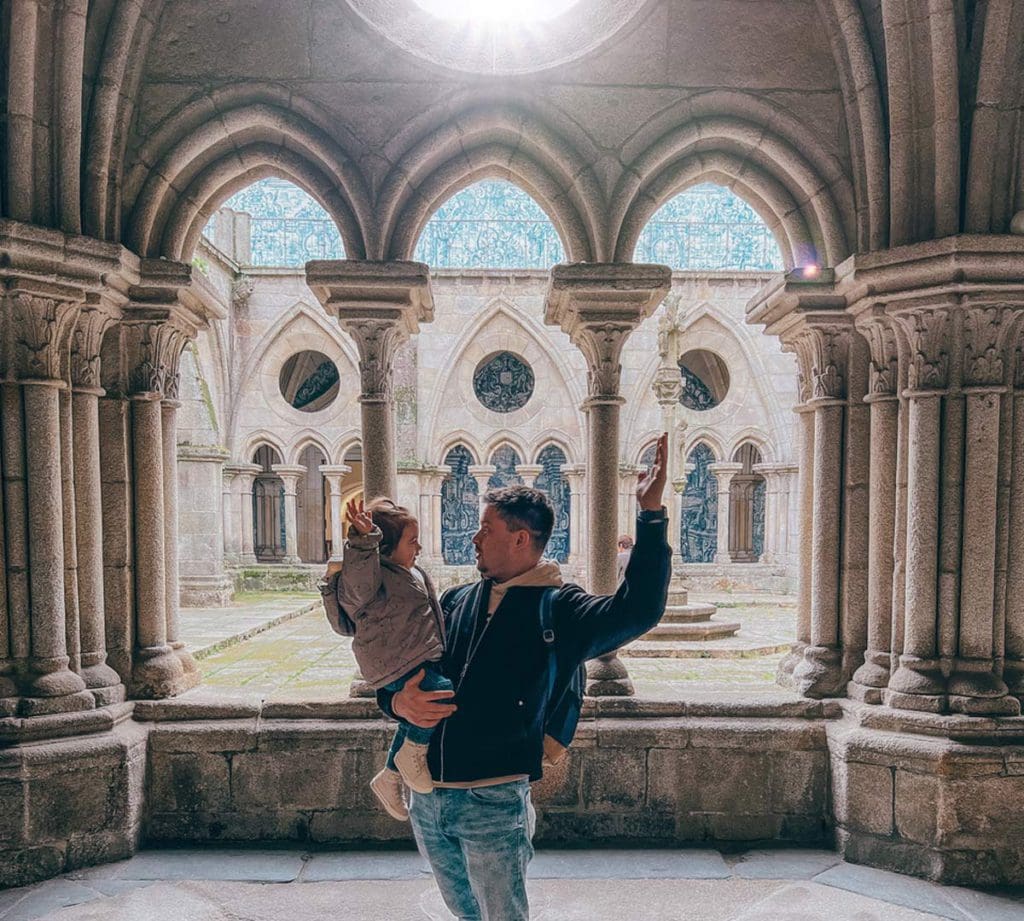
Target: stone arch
772,161
258,439
195,161
505,438
464,440
706,436
304,439
474,345
492,142
555,439
318,334
756,437
345,443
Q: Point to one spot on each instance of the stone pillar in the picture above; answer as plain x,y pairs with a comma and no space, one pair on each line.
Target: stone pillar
598,306
1014,668
873,676
823,349
776,513
203,581
334,474
72,620
379,304
805,515
576,475
290,476
246,475
41,331
482,473
529,473
104,683
668,387
232,526
629,477
723,473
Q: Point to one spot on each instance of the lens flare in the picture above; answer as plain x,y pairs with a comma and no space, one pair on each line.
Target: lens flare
496,11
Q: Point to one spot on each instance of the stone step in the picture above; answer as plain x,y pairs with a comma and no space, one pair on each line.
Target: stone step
711,630
677,597
688,613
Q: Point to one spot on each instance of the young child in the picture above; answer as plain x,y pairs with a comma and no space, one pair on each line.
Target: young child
399,630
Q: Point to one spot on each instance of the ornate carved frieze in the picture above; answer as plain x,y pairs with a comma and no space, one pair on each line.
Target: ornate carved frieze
41,329
928,338
377,341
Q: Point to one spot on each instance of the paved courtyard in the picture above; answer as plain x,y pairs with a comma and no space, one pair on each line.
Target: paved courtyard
652,885
280,645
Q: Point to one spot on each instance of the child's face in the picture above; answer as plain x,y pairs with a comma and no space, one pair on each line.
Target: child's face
408,547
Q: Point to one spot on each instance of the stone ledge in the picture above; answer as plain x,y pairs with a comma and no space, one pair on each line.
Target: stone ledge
971,730
17,731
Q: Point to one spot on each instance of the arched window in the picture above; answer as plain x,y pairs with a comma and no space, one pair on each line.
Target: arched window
709,228
268,508
555,483
505,461
746,507
698,530
490,225
460,509
287,227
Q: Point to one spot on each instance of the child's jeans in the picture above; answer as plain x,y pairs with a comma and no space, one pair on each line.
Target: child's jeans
433,680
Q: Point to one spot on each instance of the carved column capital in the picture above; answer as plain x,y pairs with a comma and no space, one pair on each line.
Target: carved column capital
86,343
39,334
378,341
668,386
601,345
881,334
928,333
826,346
152,355
989,334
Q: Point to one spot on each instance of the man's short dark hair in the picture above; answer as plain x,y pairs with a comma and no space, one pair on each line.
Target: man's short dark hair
524,508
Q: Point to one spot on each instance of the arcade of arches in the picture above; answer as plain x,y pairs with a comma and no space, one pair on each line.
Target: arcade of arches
499,265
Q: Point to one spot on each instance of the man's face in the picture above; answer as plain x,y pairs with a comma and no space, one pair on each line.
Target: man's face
495,546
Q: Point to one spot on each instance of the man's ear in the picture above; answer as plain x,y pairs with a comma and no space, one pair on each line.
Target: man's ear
523,539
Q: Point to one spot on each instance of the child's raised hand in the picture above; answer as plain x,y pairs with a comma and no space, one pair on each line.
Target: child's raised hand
358,516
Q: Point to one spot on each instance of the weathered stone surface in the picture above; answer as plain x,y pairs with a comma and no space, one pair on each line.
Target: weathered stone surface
614,779
189,782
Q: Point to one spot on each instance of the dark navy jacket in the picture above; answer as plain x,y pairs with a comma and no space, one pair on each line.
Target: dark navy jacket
503,691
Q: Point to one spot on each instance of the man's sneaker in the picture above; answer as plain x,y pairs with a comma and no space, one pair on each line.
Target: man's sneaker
411,761
387,787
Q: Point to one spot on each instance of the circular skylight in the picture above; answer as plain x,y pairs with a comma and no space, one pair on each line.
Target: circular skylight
496,10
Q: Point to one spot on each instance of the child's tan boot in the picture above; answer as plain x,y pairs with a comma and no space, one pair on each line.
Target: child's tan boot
411,761
387,787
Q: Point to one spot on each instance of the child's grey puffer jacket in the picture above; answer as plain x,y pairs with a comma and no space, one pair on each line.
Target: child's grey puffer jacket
398,621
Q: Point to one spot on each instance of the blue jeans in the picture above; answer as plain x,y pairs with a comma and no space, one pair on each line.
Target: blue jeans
479,843
433,680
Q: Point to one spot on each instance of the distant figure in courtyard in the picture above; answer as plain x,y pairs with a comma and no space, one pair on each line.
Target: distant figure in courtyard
476,827
397,628
625,545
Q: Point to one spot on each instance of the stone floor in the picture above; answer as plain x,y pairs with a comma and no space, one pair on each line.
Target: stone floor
699,884
288,651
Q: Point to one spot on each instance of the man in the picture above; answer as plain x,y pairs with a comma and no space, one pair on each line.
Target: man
476,827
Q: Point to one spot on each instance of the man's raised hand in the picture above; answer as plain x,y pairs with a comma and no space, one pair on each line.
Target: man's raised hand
651,487
422,708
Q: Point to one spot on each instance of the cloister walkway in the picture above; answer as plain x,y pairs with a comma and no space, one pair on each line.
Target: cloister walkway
662,885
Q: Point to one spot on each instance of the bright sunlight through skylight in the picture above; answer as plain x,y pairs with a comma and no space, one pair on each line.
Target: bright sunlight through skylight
484,11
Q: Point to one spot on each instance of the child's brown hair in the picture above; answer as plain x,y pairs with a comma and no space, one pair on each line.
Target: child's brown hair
392,520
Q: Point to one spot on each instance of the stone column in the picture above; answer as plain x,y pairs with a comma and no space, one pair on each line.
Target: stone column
379,304
104,683
334,474
598,306
42,327
72,619
482,473
629,477
232,515
873,676
576,475
723,474
1014,669
668,387
988,336
776,477
824,349
246,475
290,476
805,514
204,583
529,473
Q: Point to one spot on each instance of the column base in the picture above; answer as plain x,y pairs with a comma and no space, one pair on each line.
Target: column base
607,677
291,561
917,684
157,674
976,690
871,678
1013,675
51,678
248,559
188,665
360,688
99,676
784,672
48,706
820,672
214,591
